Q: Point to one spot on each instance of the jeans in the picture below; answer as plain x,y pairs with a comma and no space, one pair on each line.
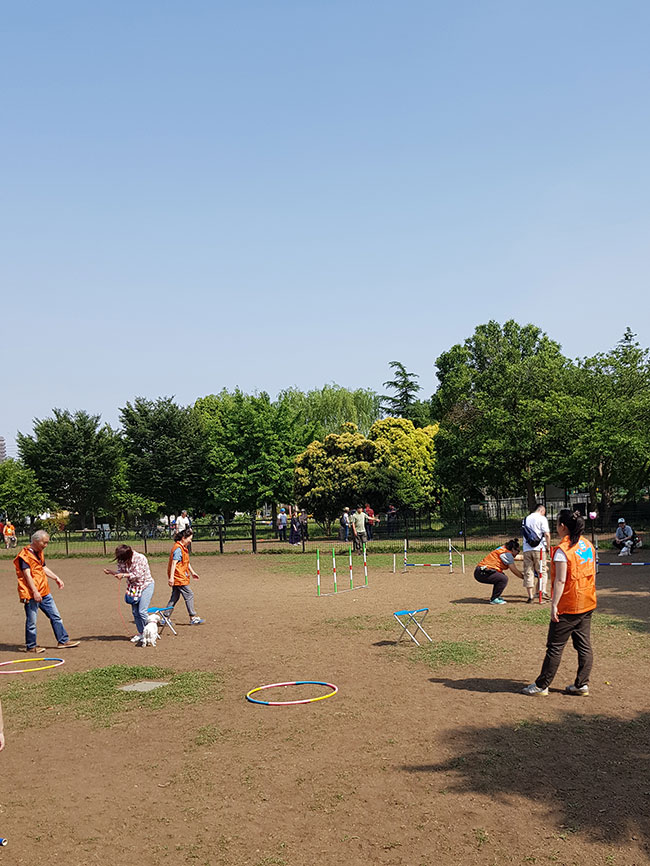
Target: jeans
188,598
140,607
49,608
497,578
576,626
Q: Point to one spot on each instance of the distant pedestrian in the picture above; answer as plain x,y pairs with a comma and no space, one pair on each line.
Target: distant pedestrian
182,523
359,520
573,575
34,592
9,534
134,566
294,534
304,527
372,521
391,520
282,525
179,572
492,567
537,544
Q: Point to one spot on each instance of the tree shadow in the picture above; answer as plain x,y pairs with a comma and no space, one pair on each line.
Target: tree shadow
591,773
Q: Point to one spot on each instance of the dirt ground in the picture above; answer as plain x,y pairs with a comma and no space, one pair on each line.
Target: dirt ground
407,764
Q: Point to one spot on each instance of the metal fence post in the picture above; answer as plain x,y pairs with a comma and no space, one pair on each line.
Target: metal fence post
144,535
104,540
65,535
464,526
220,527
254,535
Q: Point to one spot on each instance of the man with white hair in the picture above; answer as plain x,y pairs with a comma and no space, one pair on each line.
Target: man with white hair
34,592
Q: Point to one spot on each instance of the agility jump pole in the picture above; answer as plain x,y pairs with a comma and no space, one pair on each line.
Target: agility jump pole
352,586
448,564
600,564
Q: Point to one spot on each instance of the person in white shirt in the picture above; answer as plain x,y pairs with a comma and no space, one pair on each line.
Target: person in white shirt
624,539
534,554
182,522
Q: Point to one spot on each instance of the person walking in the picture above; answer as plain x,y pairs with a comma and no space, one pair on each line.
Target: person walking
282,525
9,534
179,572
492,567
134,566
573,576
344,521
34,593
537,544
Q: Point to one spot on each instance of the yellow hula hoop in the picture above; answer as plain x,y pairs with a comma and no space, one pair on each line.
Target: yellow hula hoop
292,703
59,662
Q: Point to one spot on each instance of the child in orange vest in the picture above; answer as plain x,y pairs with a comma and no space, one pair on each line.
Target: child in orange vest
179,572
573,575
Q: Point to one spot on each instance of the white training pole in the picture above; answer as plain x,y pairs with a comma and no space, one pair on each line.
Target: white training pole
394,562
462,559
318,572
365,565
451,564
334,569
351,579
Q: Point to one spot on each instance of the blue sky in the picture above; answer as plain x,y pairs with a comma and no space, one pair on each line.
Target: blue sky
260,194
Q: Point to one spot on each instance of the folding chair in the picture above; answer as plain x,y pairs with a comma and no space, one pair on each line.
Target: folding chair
164,613
408,618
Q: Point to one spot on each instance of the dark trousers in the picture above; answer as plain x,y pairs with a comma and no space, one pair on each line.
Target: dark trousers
282,533
497,578
577,626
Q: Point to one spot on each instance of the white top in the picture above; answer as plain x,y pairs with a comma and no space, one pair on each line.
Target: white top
539,524
560,556
182,523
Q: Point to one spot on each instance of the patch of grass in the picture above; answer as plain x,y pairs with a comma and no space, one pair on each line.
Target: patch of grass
94,694
539,615
624,622
208,734
451,652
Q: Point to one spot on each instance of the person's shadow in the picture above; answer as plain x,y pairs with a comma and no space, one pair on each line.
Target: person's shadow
590,772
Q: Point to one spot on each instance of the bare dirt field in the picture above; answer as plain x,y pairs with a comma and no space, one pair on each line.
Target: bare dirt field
425,756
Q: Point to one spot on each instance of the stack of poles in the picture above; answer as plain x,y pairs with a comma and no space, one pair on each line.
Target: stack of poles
427,564
336,589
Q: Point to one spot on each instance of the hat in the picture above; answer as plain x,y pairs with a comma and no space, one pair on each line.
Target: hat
621,520
282,510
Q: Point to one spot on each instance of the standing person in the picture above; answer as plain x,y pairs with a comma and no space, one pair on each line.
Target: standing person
9,534
624,538
345,524
573,576
371,520
537,543
304,528
391,520
183,522
294,534
34,592
179,572
282,525
492,567
359,519
140,584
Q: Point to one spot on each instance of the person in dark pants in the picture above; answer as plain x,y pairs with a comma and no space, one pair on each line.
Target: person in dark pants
492,567
573,575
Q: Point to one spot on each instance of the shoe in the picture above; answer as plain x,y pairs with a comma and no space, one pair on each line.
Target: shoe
69,645
546,597
498,601
196,620
582,692
529,601
35,649
534,690
136,638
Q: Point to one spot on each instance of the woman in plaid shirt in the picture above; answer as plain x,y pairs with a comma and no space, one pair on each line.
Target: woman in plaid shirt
140,585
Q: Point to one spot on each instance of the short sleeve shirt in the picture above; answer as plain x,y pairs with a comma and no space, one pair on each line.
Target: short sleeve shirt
539,525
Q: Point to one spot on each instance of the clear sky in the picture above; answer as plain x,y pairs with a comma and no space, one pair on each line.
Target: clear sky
264,193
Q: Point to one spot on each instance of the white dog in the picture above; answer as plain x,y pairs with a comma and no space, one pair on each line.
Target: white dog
150,633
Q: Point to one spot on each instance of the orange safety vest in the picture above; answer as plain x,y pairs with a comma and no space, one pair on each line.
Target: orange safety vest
579,594
9,529
36,563
180,571
493,560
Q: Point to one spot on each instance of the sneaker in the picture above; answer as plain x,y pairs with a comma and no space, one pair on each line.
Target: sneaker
196,620
35,649
533,689
529,601
69,645
136,638
546,597
583,691
498,601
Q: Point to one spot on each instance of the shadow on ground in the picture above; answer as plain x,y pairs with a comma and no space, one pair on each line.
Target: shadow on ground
593,774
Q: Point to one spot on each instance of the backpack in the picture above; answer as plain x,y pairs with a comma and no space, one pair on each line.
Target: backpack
530,537
342,521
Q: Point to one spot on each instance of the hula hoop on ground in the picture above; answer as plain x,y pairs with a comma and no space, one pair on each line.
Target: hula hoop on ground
290,703
59,662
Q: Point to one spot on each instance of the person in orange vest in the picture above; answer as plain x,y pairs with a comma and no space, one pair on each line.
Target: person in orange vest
34,592
179,572
492,567
573,576
9,533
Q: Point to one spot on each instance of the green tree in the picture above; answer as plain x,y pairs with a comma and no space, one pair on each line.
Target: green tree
323,410
403,470
20,493
493,400
165,453
74,459
404,403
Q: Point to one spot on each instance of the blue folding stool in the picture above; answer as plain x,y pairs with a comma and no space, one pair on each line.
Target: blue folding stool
164,613
408,618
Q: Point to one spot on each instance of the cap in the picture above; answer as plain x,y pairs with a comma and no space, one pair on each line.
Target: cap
621,520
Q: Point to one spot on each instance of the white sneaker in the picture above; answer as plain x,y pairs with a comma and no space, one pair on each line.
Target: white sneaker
136,638
534,690
583,691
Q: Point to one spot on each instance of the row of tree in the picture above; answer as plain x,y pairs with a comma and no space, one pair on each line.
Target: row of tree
510,413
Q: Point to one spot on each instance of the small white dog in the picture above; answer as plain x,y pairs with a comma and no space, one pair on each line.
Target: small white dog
150,633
